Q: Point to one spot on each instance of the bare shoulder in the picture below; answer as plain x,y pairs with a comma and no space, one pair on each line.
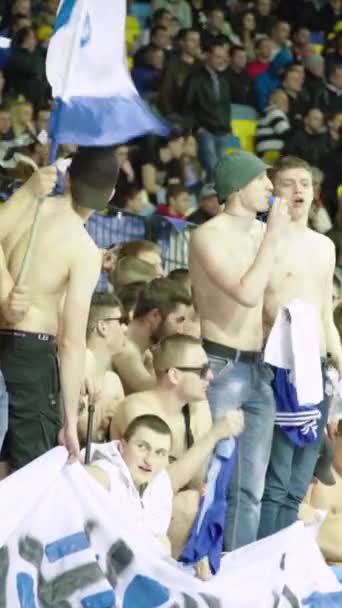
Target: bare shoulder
201,421
204,232
322,244
85,250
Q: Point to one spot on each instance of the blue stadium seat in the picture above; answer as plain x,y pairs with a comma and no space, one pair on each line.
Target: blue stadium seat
142,11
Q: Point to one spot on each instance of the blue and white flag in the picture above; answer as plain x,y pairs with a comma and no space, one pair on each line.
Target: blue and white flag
96,102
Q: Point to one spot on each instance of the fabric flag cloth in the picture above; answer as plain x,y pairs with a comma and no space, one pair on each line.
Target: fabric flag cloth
95,101
206,535
65,541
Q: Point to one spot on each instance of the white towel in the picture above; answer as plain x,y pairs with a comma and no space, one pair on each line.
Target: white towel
294,345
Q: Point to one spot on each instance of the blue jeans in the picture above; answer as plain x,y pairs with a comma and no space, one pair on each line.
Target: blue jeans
245,385
289,474
3,410
211,150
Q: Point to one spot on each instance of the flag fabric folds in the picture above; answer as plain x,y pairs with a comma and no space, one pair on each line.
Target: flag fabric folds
95,101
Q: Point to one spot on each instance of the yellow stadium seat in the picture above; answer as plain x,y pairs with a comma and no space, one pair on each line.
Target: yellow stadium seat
132,31
245,131
271,156
318,49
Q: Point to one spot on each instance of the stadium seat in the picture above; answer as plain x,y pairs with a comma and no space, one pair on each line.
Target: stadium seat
245,131
142,11
132,31
242,112
233,144
271,156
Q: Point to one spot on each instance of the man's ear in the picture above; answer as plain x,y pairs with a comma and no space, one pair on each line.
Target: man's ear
101,328
173,375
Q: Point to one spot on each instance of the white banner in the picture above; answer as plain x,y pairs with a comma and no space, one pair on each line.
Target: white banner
64,544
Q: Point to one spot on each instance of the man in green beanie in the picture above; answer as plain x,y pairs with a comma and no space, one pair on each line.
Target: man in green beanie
231,258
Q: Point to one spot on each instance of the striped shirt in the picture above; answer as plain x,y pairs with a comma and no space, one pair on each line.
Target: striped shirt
272,128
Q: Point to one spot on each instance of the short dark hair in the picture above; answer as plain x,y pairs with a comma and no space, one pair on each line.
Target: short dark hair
101,303
182,34
236,48
289,162
175,190
161,294
129,192
147,421
22,34
159,13
128,295
93,175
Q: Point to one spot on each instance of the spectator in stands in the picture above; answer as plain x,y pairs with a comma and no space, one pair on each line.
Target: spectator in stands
215,28
22,120
177,202
178,8
160,39
192,168
333,90
143,250
334,53
130,269
148,75
301,13
307,142
319,218
329,15
280,36
314,83
102,387
161,163
199,17
293,85
25,70
301,40
177,71
161,310
263,52
332,135
208,205
246,33
271,79
273,127
162,18
241,84
128,296
264,16
131,200
42,120
207,106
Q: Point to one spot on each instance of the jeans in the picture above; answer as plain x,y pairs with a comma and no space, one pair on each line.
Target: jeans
245,385
3,410
211,150
289,474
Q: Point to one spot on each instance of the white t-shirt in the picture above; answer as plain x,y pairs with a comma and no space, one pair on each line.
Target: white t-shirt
154,508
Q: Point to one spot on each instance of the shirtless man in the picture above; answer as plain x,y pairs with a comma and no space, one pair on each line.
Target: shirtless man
161,310
105,338
304,269
64,266
183,375
231,257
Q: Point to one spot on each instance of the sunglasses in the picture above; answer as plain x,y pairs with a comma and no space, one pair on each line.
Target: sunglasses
202,372
121,320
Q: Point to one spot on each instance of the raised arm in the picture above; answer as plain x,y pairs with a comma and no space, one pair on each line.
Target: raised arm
72,345
40,184
249,288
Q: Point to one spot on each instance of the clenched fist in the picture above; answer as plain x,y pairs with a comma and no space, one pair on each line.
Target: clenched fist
17,304
231,425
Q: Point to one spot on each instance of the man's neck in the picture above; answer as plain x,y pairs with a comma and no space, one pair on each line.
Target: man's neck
243,218
298,226
169,399
102,355
138,332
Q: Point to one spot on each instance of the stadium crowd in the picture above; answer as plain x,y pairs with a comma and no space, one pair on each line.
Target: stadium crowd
229,77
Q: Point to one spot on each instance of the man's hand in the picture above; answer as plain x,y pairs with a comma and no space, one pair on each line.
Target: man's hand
230,426
278,218
90,388
202,569
43,181
17,304
69,438
109,258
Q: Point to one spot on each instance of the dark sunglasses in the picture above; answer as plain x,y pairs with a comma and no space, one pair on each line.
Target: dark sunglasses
121,320
202,372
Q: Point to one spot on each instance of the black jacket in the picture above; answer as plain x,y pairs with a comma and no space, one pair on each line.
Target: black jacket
201,106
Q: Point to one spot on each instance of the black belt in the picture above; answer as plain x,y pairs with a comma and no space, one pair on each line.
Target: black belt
17,333
226,352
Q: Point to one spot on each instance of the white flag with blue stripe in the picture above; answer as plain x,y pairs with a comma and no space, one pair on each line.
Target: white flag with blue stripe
96,102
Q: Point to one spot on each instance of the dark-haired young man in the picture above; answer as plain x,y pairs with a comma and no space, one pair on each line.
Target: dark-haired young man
64,267
160,311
